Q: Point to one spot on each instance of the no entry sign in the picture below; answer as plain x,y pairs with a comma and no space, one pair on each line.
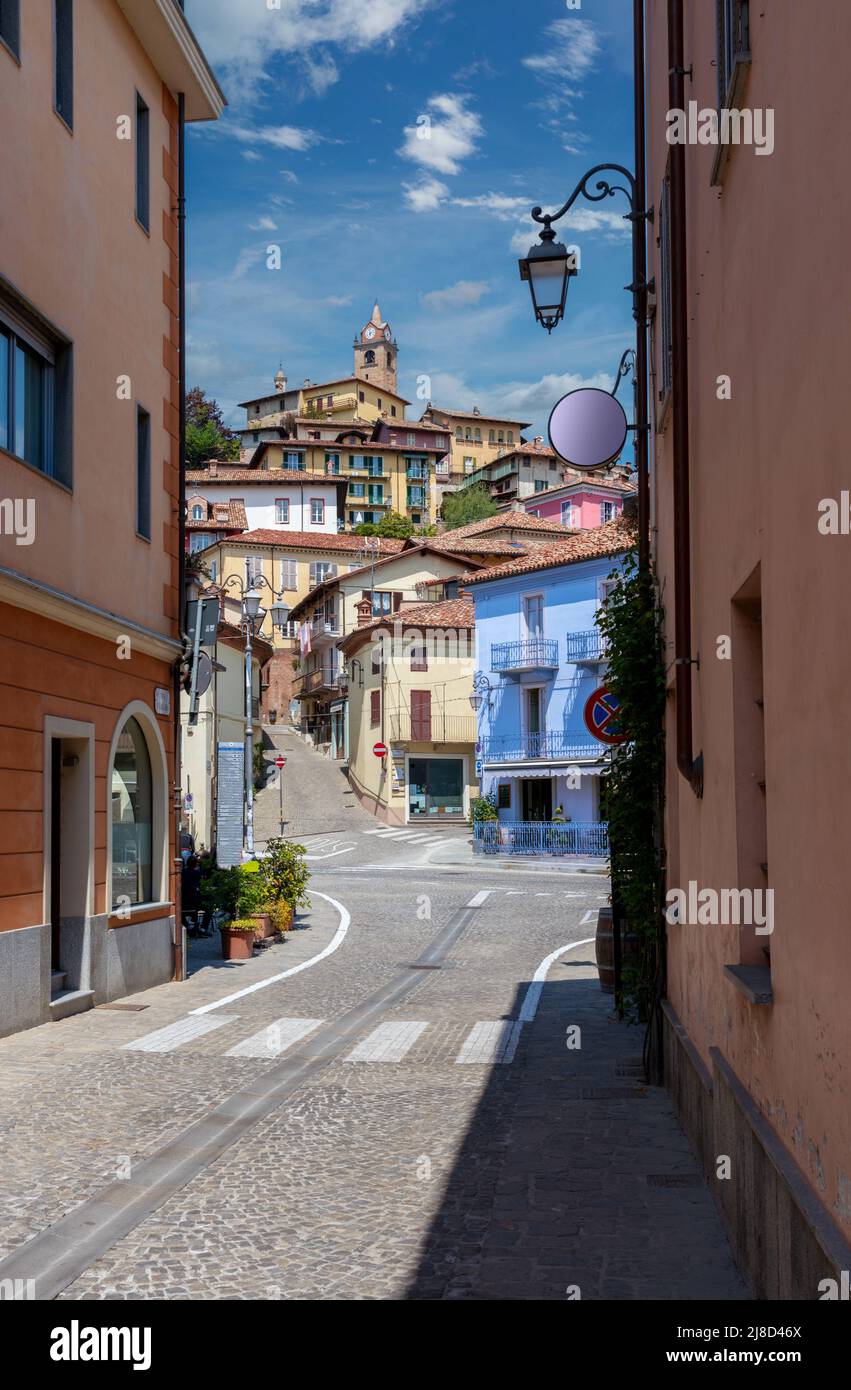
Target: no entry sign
380,750
280,762
602,711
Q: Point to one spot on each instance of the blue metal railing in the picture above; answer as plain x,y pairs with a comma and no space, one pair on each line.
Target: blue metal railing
589,838
533,654
586,646
549,744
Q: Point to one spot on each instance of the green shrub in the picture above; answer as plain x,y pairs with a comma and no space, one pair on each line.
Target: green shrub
285,874
483,808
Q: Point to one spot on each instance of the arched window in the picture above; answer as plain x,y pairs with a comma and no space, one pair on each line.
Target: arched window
132,818
511,436
459,433
491,436
369,357
197,513
469,433
478,434
501,437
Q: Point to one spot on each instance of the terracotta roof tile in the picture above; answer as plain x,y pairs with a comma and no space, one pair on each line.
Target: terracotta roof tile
256,475
343,542
505,521
447,613
613,538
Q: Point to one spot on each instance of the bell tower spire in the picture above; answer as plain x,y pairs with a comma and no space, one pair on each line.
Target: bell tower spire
375,352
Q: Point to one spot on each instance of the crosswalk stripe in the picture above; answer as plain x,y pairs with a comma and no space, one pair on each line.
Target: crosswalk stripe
381,830
389,1042
176,1034
275,1038
490,1043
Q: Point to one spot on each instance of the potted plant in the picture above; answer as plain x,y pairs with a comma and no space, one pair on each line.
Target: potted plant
238,939
285,878
252,899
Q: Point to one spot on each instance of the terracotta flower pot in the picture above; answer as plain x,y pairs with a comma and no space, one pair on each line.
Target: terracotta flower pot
264,925
236,945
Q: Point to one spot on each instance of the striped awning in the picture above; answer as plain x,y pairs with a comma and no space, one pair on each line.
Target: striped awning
536,769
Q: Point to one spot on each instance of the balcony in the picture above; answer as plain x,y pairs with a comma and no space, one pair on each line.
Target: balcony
549,745
321,681
587,648
320,629
586,838
439,728
416,497
535,654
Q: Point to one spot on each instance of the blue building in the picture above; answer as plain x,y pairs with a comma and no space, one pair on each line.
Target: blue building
540,659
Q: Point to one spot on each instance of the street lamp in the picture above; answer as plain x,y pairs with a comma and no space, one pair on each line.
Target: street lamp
253,617
548,269
480,684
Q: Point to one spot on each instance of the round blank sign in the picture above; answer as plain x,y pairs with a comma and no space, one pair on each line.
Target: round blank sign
588,427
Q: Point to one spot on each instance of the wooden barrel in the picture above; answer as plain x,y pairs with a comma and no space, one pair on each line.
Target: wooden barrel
604,948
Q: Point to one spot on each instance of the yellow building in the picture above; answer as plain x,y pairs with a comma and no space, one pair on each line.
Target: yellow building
290,563
409,686
382,588
382,477
475,439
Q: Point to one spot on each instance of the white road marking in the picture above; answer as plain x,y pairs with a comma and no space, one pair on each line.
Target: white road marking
333,944
480,897
533,993
348,849
490,1043
590,916
275,1038
543,895
176,1034
383,831
389,1042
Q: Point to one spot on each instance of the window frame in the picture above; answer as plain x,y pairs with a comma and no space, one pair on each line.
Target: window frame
375,709
63,61
143,475
317,502
142,141
11,41
282,504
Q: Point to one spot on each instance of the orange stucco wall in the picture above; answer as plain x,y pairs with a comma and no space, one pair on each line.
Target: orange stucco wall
768,294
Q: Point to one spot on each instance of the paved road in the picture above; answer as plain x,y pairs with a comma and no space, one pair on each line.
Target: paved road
421,1095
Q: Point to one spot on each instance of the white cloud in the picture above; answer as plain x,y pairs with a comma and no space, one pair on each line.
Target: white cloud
288,175
246,260
459,295
506,207
572,48
612,225
264,224
251,154
426,196
282,137
535,399
445,135
243,37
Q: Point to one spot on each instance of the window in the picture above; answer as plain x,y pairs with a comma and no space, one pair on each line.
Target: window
374,708
374,466
459,433
143,473
491,436
501,437
253,568
35,394
360,396
666,370
369,357
357,489
419,656
382,602
214,570
293,459
567,513
477,435
143,160
540,485
469,465
503,796
378,402
317,511
468,433
289,574
412,439
197,513
10,25
132,818
63,68
533,615
392,410
732,29
376,659
608,511
440,441
321,570
332,463
198,540
420,716
329,401
511,436
375,492
282,511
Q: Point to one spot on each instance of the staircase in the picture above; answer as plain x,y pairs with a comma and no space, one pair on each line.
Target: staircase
64,1002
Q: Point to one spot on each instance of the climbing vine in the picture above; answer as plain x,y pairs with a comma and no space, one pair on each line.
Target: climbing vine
630,619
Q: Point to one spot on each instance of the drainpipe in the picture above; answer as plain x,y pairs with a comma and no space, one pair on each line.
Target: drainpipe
179,962
639,233
691,767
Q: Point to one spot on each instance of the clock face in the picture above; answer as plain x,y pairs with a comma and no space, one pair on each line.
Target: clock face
387,334
369,332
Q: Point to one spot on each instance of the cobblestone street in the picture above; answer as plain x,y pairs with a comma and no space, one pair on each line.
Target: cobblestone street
421,1129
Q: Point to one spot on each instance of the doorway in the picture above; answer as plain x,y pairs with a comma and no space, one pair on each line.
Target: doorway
69,839
537,798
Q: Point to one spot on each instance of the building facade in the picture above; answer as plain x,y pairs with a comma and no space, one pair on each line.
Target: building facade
268,498
751,549
543,662
89,440
409,684
584,503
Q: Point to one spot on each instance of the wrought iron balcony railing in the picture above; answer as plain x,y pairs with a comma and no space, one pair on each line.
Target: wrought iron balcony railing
589,838
548,744
438,728
533,654
586,646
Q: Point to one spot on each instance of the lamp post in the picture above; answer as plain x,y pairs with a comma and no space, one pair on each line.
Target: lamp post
481,688
548,269
253,614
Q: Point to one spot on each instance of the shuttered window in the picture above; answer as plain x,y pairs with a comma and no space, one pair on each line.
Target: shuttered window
289,574
374,708
421,716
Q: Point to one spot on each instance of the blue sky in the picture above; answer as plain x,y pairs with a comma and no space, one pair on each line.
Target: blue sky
321,153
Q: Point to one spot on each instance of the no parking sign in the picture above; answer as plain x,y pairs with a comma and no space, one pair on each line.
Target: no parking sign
602,716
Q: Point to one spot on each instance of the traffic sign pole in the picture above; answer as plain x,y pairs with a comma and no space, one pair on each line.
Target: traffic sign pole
280,764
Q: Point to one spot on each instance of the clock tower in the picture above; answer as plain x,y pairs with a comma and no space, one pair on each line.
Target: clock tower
375,352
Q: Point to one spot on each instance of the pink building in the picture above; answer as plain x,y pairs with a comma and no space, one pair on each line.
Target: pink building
749,385
582,504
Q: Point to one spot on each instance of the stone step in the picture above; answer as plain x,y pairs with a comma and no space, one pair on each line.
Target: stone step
57,981
71,1001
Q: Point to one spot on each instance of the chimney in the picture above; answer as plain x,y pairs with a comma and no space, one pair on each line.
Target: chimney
213,466
539,439
364,612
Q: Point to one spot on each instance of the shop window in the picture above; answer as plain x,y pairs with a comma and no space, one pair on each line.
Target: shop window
132,818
